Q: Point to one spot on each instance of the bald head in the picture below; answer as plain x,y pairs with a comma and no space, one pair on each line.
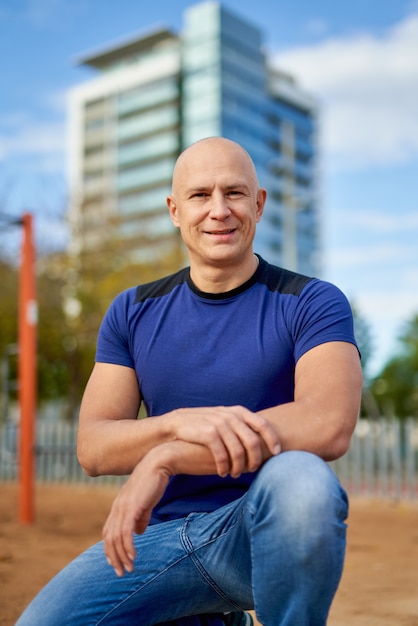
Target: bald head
216,203
212,152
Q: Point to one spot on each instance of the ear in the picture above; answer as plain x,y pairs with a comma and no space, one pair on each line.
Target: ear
172,209
261,201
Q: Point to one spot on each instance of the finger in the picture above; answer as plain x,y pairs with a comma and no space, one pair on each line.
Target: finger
221,456
232,432
211,434
253,445
117,556
127,550
257,436
111,552
236,452
266,430
118,541
124,543
233,443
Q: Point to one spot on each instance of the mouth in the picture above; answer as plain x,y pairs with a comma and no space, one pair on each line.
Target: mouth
226,231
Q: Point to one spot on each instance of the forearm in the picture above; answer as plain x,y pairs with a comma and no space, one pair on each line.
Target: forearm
300,427
132,508
182,457
115,447
323,415
236,438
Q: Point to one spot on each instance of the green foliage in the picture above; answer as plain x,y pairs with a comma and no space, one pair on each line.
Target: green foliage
363,337
8,306
73,295
396,387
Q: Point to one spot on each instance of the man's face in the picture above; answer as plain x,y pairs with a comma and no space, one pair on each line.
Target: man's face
216,202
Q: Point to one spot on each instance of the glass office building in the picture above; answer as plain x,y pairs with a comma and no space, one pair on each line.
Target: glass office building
157,94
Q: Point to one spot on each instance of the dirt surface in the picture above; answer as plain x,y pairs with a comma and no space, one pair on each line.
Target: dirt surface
379,586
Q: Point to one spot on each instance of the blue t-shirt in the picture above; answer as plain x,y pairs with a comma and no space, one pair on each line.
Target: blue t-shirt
190,349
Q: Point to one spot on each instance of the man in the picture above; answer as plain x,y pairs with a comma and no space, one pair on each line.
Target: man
251,378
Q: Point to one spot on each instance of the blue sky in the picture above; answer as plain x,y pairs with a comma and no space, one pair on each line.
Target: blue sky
358,59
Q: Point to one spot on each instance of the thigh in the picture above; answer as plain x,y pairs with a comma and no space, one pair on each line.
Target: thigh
165,585
219,545
297,510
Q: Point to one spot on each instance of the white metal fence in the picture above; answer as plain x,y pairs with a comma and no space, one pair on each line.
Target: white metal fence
382,460
55,454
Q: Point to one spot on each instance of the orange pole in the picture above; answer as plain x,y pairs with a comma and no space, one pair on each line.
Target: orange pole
27,371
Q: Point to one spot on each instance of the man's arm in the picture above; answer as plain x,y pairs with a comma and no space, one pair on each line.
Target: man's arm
320,420
132,508
328,387
111,440
328,384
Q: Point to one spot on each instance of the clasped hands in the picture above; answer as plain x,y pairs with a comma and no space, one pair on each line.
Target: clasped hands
206,440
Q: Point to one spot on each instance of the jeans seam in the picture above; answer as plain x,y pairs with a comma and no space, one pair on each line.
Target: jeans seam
191,552
133,593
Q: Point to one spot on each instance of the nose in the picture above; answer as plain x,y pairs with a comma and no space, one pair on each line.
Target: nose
219,207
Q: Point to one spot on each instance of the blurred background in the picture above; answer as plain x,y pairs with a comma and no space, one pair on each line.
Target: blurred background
97,101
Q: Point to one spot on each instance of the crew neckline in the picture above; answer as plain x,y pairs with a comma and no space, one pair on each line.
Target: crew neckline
224,295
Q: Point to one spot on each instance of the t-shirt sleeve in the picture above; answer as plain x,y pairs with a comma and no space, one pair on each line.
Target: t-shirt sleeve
322,314
113,345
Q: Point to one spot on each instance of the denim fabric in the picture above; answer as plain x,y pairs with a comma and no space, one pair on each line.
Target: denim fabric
237,618
279,549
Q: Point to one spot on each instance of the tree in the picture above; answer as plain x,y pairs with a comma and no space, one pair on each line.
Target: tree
364,340
8,332
90,282
396,387
363,337
8,305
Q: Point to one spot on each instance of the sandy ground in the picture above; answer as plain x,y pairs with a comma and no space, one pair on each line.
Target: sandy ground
379,585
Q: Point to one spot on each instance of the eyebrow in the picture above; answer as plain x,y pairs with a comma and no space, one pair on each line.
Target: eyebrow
207,188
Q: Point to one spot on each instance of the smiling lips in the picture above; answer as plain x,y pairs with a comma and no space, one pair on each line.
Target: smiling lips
227,231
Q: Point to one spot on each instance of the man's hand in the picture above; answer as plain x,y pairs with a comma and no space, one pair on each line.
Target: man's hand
239,440
208,440
241,451
131,511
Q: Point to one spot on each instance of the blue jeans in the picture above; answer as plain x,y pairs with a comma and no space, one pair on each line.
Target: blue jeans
279,549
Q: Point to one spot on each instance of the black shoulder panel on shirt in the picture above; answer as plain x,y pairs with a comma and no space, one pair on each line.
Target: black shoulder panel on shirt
161,287
282,280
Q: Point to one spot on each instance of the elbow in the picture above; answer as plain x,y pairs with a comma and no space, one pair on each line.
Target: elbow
86,460
337,448
339,443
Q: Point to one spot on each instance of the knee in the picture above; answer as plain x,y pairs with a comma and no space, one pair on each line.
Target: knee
300,488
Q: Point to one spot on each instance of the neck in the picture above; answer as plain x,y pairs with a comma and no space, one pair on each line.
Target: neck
213,279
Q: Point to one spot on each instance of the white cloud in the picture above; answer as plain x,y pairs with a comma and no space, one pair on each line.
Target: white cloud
387,312
23,135
388,309
317,26
371,256
380,223
368,90
56,101
46,13
44,139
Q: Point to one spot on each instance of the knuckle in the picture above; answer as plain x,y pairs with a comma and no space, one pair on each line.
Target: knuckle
212,430
254,463
221,455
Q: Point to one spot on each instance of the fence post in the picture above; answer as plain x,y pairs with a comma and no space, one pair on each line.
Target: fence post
410,469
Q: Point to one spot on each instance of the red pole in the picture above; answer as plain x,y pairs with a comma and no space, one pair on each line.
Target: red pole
27,371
